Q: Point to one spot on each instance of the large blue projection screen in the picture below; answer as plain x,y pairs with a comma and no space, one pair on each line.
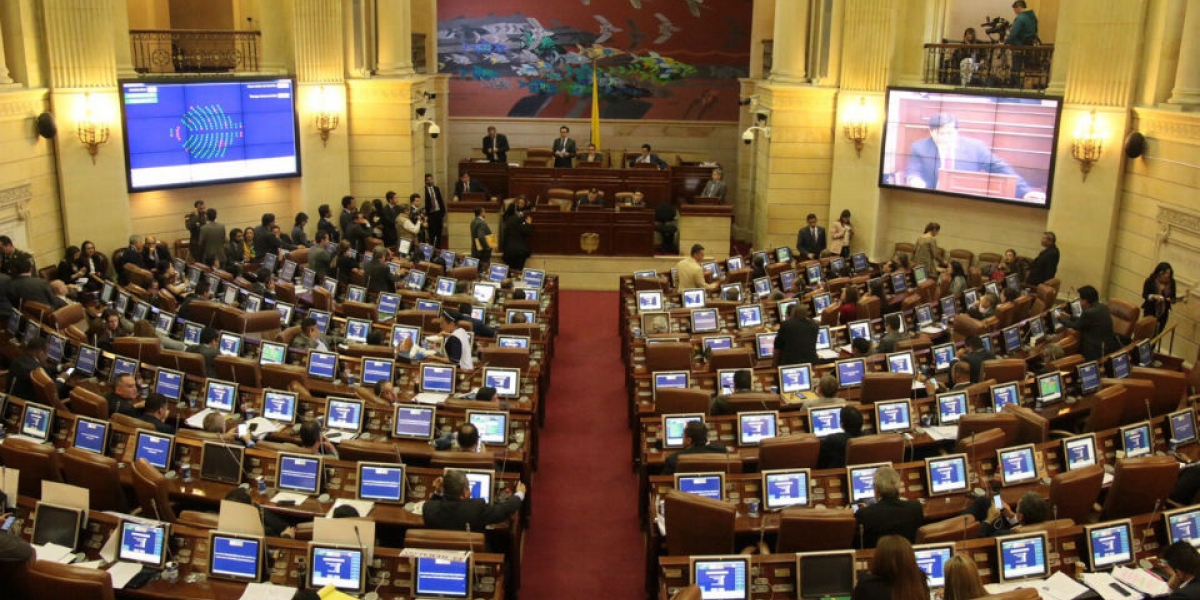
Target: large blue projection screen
195,133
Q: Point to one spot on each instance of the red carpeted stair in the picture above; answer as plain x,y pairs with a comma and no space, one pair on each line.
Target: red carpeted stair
584,540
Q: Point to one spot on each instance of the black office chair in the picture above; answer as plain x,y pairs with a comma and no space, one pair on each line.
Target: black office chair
666,228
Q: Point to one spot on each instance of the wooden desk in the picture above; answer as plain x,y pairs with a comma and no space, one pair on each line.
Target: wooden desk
535,182
629,232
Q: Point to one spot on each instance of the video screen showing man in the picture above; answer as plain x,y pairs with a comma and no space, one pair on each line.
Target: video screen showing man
946,150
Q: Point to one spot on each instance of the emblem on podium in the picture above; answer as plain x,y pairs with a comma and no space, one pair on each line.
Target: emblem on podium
589,242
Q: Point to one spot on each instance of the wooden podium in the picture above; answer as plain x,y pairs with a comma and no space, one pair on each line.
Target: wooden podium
996,185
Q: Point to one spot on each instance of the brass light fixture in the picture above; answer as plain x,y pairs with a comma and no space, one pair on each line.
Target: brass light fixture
854,125
1088,144
91,131
327,118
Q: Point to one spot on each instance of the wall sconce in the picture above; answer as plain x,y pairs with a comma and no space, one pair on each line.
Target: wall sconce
854,125
91,131
327,117
1089,142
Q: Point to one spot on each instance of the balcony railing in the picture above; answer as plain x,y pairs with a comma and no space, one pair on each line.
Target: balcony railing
990,65
193,50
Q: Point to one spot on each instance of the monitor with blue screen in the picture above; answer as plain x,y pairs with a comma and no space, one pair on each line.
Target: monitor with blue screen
1079,451
951,407
1145,353
725,384
497,273
357,330
704,320
484,292
899,282
381,482
344,414
322,319
356,293
734,263
533,278
850,372
648,273
220,395
860,262
1088,375
143,542
1036,330
253,303
163,323
413,422
671,379
820,303
155,448
285,312
764,345
709,485
388,305
902,362
343,567
403,332
785,307
785,487
824,341
756,426
1109,544
511,313
308,279
513,341
123,366
1136,440
1017,464
322,365
762,287
693,298
718,342
825,421
1012,339
279,407
931,559
468,261
230,344
992,287
506,381
949,307
893,416
731,291
943,356
795,379
442,576
437,379
787,280
375,370
812,274
86,360
1183,427
673,427
1004,394
481,483
56,346
860,329
1120,365
946,474
923,315
237,557
861,479
299,472
191,333
491,424
970,297
649,300
37,421
415,281
783,254
1183,525
91,435
749,316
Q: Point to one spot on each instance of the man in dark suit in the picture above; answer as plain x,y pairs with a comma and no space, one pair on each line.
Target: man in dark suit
467,185
1184,562
124,395
379,277
891,514
945,149
833,446
1096,337
194,221
435,211
1045,266
455,510
973,354
495,146
891,335
348,214
591,155
154,411
648,158
210,248
564,149
695,440
810,242
591,198
265,241
25,287
796,342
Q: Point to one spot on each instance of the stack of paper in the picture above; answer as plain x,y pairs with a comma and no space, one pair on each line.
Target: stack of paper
1060,586
1142,581
55,553
289,497
267,591
264,427
122,572
1108,588
196,421
942,432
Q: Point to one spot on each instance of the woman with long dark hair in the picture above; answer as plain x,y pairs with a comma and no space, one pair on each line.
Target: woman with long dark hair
894,573
1158,293
840,234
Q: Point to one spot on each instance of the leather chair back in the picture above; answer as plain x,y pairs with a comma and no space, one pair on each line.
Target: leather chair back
697,525
1032,428
88,403
731,358
1107,408
263,324
983,444
870,308
47,580
965,326
446,540
280,377
1124,316
691,592
1133,401
359,450
886,386
460,460
322,299
949,530
875,448
751,401
533,330
418,318
911,301
1006,314
989,259
129,422
1067,363
36,462
464,273
1050,526
513,358
962,256
836,284
1004,370
669,356
152,491
979,422
360,310
44,390
203,311
99,474
1046,294
645,284
682,400
1170,387
709,461
239,369
815,530
832,315
534,305
145,349
1055,283
928,291
137,275
1139,484
190,363
285,291
1145,328
1074,492
72,314
905,247
917,344
1023,306
793,451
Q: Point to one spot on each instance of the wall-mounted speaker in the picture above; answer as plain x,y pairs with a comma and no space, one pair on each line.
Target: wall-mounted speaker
1135,145
45,125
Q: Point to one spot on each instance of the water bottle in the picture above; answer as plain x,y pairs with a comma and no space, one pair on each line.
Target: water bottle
262,486
170,572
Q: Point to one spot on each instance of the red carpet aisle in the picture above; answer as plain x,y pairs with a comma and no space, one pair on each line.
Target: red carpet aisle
585,541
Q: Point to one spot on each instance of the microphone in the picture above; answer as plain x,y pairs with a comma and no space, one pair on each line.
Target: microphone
1054,533
1153,517
861,535
975,466
1150,422
966,526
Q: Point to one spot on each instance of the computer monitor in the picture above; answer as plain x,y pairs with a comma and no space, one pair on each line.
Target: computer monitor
37,421
279,406
717,342
322,365
122,303
322,319
1079,451
253,303
1036,329
649,300
156,448
1004,394
899,282
403,332
893,416
1109,544
272,353
506,381
230,344
704,320
375,370
785,308
1049,388
513,341
860,329
787,280
288,272
91,435
1183,525
764,345
820,303
191,333
1012,338
484,292
943,356
308,278
673,427
725,385
923,315
949,307
970,296
511,313
415,280
850,372
343,567
919,274
734,263
645,274
824,340
144,543
492,426
413,422
902,362
437,379
234,556
299,472
220,395
357,330
951,406
709,485
1136,440
163,323
356,293
1145,353
785,487
931,559
861,479
1088,375
222,462
860,262
344,414
671,379
481,483
946,474
722,577
756,426
825,575
693,298
388,304
731,291
56,347
991,287
749,316
795,379
1017,464
123,366
381,482
533,278
762,287
1183,427
497,272
783,254
812,274
1120,365
442,576
837,266
825,420
53,524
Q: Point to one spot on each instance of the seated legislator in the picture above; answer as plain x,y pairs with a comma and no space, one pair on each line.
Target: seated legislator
466,439
591,198
890,514
894,574
984,307
454,509
310,337
833,446
742,382
124,396
695,439
891,334
945,149
827,389
974,354
1184,563
209,340
648,158
312,438
691,274
1095,326
1031,510
467,185
715,187
591,155
155,410
962,579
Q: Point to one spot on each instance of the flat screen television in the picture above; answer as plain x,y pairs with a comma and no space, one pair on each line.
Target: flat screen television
998,147
190,132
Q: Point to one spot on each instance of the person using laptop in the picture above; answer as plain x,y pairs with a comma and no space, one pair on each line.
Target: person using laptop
891,514
454,509
312,439
973,353
695,441
891,334
833,446
1183,562
124,397
457,347
796,342
742,382
209,340
155,412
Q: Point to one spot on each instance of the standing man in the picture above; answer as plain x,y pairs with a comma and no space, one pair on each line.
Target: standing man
265,240
811,240
318,256
1045,266
1094,324
387,221
648,158
715,188
210,247
495,146
348,214
564,149
410,221
435,211
194,221
691,274
1024,26
796,342
480,230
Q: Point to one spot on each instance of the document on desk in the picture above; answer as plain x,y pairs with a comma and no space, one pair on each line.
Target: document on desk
1107,587
264,427
196,421
362,506
1142,581
1060,586
941,432
289,497
1003,588
267,591
54,553
122,572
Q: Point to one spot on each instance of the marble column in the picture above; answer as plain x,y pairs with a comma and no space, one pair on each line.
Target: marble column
789,58
1187,75
394,24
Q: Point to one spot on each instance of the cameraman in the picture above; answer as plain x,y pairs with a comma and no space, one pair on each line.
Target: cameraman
1024,29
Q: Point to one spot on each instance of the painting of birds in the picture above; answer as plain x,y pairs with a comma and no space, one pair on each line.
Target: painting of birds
606,30
694,7
666,29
